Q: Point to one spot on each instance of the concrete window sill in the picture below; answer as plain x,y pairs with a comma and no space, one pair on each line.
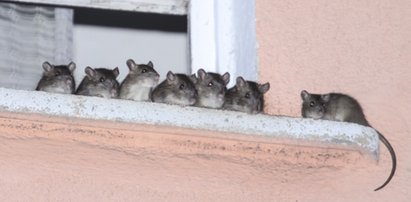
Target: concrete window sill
78,148
218,124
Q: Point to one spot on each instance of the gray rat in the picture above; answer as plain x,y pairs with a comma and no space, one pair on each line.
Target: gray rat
100,82
176,89
139,82
341,107
211,89
246,96
57,78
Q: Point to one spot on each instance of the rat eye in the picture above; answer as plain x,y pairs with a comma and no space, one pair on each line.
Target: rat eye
312,104
210,84
247,95
144,71
181,87
102,79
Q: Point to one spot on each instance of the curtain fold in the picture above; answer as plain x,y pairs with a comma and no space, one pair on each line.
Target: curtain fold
30,35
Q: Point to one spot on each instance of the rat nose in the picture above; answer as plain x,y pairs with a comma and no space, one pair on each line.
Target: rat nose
69,81
114,92
320,109
222,92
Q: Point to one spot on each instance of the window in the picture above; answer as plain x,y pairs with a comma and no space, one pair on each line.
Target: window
221,33
106,38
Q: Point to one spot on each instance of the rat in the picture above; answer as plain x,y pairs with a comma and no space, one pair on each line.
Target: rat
139,82
246,96
211,89
57,78
341,107
100,82
176,89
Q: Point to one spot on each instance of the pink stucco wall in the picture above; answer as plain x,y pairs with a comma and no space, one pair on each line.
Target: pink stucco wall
359,47
45,158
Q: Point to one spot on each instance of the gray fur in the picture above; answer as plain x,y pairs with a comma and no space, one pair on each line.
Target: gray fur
341,107
100,82
176,89
139,82
211,89
57,78
246,96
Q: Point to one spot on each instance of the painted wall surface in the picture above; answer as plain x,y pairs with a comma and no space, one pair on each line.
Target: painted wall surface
45,158
362,48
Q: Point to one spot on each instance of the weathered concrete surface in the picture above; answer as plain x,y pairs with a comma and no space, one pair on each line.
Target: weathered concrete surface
277,127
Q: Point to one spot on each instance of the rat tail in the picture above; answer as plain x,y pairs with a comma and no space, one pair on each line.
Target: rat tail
393,158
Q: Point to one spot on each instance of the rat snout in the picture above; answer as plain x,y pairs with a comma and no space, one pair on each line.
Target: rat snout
68,80
318,112
193,97
195,94
152,79
221,93
114,92
320,109
192,100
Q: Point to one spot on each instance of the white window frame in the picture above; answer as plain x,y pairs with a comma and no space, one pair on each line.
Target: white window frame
223,38
221,32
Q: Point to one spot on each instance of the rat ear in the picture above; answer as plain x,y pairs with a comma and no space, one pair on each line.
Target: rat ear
71,66
305,95
90,72
47,66
170,76
264,87
326,97
201,74
226,78
116,72
150,64
131,64
240,82
193,78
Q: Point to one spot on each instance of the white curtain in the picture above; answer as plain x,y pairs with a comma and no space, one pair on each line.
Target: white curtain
30,35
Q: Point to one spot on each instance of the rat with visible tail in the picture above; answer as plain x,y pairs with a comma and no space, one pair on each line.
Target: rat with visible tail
341,107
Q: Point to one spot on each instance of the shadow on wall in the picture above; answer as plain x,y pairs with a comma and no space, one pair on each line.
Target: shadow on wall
145,21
